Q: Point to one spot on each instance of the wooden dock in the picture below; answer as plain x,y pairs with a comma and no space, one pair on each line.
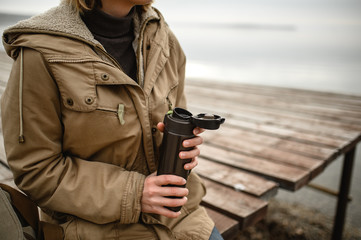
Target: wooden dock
273,137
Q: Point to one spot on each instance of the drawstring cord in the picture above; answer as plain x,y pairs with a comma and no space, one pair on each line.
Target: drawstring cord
21,134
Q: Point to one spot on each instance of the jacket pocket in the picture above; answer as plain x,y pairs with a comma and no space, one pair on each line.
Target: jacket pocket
76,82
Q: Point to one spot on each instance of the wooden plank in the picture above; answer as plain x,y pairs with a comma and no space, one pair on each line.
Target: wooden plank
4,58
5,68
236,179
291,94
241,106
303,102
248,112
276,103
284,133
272,149
247,210
289,177
289,134
287,122
303,149
226,226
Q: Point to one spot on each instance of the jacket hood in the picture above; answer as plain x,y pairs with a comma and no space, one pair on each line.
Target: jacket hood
63,20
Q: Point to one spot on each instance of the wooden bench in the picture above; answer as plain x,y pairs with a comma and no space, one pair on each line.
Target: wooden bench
273,137
287,136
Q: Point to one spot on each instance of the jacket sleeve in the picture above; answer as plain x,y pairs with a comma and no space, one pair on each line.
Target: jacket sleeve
94,191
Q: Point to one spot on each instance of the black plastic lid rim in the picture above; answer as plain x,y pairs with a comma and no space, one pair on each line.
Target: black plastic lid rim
203,120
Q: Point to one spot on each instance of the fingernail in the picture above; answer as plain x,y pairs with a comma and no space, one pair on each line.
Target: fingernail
196,131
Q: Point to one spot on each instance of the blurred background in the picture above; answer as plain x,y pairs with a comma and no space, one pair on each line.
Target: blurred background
308,44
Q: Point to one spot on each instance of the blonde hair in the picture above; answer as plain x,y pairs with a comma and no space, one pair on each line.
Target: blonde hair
86,5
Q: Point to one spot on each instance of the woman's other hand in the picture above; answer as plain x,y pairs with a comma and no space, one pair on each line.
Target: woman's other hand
155,199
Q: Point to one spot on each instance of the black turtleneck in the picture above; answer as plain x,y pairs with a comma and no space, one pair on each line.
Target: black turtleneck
116,35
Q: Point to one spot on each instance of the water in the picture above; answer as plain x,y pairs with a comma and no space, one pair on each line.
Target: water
309,44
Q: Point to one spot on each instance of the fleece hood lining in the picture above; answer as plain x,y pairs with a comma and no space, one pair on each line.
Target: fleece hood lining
64,20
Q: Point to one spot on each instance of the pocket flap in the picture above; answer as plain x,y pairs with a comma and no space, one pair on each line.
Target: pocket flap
76,84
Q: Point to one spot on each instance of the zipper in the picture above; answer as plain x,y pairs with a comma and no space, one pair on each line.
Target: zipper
170,105
76,60
119,112
139,51
107,110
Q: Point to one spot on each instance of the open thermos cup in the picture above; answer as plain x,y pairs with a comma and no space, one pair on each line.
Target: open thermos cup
179,125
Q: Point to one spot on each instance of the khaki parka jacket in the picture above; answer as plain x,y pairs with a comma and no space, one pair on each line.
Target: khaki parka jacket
80,135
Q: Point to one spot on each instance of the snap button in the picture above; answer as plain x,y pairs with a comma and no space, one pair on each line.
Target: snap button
148,47
104,76
89,100
70,102
154,130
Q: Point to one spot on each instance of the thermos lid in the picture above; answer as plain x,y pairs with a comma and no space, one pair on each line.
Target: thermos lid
207,121
203,120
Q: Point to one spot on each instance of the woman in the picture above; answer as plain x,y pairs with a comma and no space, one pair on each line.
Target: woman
90,84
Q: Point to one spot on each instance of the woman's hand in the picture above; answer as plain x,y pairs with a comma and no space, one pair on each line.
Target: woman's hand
189,143
154,197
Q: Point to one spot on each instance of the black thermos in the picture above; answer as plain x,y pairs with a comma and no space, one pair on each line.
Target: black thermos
179,126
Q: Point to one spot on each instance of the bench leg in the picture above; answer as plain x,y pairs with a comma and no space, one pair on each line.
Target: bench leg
343,194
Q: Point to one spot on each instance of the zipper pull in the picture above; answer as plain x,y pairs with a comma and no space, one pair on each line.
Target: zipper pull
121,113
170,106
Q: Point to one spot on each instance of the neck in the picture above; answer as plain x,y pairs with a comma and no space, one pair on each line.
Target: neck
116,8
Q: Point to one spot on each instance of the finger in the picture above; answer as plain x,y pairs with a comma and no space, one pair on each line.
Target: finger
191,165
173,191
192,142
189,154
169,179
198,130
160,126
174,202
